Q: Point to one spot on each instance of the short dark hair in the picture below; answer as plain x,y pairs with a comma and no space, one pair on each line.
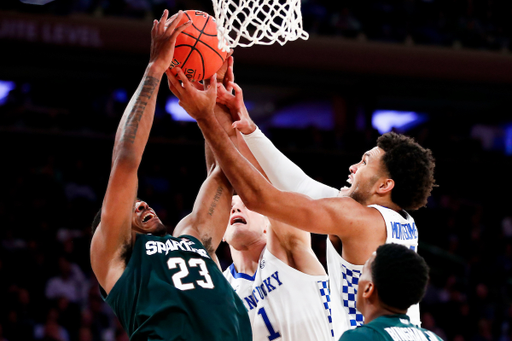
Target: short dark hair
411,167
400,276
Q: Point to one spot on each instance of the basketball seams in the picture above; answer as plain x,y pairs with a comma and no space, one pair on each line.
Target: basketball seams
194,25
192,48
199,49
202,42
209,35
213,49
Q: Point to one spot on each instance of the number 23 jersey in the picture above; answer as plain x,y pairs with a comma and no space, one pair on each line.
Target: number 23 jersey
172,290
284,304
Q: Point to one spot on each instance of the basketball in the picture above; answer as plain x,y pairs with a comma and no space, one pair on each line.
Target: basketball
196,51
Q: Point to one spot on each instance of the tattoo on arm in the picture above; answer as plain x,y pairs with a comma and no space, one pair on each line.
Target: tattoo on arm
132,122
215,201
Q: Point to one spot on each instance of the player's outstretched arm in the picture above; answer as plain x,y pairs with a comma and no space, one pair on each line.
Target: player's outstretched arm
280,170
291,245
210,214
325,216
285,174
114,231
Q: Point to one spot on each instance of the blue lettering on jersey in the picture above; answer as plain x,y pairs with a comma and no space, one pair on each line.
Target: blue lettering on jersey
251,301
269,286
403,231
261,291
153,247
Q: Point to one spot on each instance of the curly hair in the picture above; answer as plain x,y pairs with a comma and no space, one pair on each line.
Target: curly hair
400,276
411,167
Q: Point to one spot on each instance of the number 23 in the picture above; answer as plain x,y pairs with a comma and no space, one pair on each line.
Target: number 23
177,278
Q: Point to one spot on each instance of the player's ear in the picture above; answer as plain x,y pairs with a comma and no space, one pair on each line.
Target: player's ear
369,290
386,185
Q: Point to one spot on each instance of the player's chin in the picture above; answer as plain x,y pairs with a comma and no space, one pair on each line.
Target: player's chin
157,228
161,230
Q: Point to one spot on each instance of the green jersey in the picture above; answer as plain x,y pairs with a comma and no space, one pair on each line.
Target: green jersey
172,290
389,328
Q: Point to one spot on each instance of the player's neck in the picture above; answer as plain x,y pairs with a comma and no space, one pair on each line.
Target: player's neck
384,201
376,311
246,260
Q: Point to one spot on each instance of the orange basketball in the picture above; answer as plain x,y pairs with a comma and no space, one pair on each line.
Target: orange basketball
196,51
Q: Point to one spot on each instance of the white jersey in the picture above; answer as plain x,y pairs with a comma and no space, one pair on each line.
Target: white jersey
283,303
344,276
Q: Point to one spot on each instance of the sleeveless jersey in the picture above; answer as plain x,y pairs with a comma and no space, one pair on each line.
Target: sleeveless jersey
284,304
172,290
344,276
390,328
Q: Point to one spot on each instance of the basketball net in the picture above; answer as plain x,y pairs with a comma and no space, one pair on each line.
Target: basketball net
248,22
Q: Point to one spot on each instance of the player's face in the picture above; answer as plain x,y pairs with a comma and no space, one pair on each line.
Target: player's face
245,227
145,220
363,176
364,281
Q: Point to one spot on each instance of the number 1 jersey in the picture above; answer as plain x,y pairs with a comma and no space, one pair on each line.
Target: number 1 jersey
172,290
284,304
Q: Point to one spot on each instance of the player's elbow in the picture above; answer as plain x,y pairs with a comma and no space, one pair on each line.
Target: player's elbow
126,160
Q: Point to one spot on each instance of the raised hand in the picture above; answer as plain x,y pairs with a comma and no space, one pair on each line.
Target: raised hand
163,38
223,74
197,103
236,105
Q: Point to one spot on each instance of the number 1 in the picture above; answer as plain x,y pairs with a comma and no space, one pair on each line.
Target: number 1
273,334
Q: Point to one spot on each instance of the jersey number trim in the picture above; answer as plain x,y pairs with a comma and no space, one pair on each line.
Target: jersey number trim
177,278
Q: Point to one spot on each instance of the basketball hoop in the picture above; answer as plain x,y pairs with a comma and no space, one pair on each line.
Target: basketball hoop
248,22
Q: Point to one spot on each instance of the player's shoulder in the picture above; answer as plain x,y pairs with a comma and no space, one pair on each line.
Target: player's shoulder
362,333
353,209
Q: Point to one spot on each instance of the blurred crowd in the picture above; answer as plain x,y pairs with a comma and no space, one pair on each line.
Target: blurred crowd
56,162
476,24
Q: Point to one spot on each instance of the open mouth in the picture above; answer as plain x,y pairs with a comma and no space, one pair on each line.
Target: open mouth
237,220
147,217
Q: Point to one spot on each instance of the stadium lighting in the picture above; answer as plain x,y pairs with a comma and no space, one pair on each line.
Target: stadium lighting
385,120
5,87
305,114
508,139
176,111
179,114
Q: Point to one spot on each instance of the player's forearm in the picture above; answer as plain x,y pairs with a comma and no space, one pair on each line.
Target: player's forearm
281,171
212,208
133,130
224,120
209,158
246,180
257,193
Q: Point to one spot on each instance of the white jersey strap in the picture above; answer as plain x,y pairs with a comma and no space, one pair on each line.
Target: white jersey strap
282,172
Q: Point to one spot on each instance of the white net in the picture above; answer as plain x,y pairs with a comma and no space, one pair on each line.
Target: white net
248,22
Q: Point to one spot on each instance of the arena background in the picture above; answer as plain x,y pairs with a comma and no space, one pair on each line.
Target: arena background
437,70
